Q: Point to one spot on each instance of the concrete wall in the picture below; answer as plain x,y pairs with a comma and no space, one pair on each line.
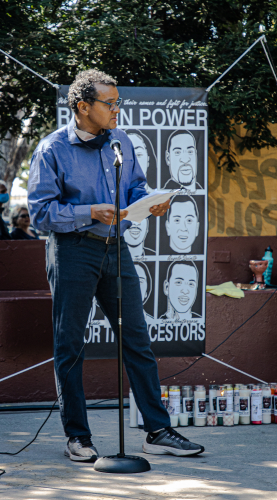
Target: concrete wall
26,327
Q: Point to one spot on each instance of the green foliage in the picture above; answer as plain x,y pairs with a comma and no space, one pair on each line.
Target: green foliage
181,43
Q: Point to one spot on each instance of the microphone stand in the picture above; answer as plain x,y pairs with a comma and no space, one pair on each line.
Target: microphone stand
120,463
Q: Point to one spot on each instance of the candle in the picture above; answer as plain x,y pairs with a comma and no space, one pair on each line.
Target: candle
244,405
164,395
212,397
272,387
228,419
133,410
221,403
140,420
174,420
199,406
183,419
236,397
174,400
230,397
256,405
236,417
212,418
275,405
266,411
187,395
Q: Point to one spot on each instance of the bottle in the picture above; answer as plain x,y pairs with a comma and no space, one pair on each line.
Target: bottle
256,405
199,406
268,272
266,411
187,395
133,410
244,405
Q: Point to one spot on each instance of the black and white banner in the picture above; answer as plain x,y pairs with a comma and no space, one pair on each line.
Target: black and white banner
169,130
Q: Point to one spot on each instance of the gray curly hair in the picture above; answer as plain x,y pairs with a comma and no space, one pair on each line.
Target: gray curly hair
83,87
15,214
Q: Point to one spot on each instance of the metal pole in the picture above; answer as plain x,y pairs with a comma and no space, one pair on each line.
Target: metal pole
119,317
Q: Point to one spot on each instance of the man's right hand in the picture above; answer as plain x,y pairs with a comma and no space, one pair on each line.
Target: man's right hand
104,212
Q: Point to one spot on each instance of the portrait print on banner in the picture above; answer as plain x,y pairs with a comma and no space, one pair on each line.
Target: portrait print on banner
168,128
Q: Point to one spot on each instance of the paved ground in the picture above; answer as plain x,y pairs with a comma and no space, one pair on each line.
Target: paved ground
239,463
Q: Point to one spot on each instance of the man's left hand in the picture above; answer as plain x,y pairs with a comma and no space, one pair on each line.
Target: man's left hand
159,210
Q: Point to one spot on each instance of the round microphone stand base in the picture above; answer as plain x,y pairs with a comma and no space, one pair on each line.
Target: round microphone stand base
121,464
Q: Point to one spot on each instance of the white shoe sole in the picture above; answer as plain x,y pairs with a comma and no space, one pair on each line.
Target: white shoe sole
77,458
168,450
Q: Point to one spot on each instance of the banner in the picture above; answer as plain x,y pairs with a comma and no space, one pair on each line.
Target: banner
244,202
169,131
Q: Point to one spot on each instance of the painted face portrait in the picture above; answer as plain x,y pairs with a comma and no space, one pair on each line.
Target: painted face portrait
182,159
136,233
182,226
145,281
140,151
181,289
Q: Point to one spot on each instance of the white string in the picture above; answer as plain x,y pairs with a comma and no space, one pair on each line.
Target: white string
55,85
232,65
26,369
269,61
229,366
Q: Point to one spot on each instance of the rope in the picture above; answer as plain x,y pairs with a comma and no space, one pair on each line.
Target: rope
232,65
26,369
55,85
236,369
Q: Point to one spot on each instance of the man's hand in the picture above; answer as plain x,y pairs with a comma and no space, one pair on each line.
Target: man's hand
158,210
104,212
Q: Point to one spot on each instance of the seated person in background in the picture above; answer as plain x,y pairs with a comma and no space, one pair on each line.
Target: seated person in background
4,197
20,221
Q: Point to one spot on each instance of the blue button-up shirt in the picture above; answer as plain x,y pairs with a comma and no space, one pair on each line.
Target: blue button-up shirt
67,177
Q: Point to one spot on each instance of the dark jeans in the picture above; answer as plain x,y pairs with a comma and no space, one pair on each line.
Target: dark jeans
73,263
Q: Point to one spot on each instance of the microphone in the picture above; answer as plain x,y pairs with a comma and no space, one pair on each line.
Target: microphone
115,144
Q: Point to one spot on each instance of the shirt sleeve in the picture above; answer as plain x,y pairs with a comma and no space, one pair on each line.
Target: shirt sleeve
137,186
45,190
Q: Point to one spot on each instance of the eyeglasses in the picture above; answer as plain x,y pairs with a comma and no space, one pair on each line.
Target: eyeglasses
24,216
112,105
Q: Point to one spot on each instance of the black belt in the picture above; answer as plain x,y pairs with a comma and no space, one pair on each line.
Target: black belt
105,239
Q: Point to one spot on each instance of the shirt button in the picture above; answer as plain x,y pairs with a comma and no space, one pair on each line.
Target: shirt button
112,191
107,169
83,224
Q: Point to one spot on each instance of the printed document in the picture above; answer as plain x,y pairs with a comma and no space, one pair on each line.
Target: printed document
140,209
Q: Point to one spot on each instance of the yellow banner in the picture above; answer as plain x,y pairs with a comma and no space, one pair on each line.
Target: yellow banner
244,202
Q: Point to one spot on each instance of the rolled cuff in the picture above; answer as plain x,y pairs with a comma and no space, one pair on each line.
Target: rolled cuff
82,216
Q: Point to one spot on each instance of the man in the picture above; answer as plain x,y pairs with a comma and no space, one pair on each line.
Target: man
135,236
4,197
145,282
138,140
72,194
182,225
181,157
180,287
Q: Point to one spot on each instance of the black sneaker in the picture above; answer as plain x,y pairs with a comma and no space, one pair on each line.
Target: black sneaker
170,442
81,449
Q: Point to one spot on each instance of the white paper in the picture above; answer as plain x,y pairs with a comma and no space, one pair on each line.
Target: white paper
140,209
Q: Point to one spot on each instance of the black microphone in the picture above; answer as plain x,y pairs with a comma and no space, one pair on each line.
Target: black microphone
115,144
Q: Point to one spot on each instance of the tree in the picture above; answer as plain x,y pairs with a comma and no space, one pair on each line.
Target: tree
179,43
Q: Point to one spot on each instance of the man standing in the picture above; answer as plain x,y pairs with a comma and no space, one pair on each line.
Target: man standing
72,193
